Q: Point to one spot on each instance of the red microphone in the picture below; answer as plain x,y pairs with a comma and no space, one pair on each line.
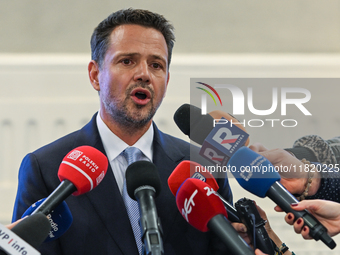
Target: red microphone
198,203
81,170
203,209
189,169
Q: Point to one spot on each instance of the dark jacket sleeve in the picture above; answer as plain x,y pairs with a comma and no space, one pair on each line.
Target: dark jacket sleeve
31,188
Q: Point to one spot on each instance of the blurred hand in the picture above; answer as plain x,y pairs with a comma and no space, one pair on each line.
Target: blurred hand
258,252
10,226
293,176
327,212
242,231
270,232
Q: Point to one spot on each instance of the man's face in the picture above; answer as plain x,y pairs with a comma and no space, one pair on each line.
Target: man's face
134,75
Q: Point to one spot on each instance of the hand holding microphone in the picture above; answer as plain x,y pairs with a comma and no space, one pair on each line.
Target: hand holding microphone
26,236
327,212
216,138
292,178
249,167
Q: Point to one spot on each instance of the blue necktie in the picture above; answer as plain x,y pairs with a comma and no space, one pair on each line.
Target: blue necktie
133,154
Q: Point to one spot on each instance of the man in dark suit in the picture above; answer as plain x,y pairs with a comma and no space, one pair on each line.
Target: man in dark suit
131,53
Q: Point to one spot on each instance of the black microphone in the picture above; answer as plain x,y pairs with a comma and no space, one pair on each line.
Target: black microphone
143,184
256,229
32,231
189,120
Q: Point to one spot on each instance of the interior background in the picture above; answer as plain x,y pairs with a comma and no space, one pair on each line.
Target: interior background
45,92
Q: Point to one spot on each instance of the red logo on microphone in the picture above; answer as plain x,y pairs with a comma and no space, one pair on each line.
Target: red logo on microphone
75,154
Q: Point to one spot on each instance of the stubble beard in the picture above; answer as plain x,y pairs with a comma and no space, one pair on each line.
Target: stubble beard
129,115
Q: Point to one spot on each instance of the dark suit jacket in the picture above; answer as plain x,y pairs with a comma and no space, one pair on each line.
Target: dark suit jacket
100,222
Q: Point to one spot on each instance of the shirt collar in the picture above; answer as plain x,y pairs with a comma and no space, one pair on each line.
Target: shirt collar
114,146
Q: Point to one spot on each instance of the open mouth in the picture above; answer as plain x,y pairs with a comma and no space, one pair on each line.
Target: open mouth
140,96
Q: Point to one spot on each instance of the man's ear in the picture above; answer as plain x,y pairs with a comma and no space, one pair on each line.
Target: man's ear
93,70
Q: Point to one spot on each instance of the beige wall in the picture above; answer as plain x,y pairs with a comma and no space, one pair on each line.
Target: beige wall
201,26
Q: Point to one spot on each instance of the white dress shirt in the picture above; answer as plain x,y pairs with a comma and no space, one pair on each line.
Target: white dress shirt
114,146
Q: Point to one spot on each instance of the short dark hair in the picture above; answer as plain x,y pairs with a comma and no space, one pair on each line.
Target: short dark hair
100,39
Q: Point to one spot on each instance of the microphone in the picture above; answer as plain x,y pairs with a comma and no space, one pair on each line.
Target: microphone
218,115
256,229
60,219
245,209
143,184
315,149
189,169
26,236
258,176
81,170
202,209
219,140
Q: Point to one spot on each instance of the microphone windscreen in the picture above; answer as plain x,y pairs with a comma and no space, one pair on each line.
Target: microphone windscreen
33,229
198,203
192,123
253,172
189,169
142,173
85,167
219,115
60,219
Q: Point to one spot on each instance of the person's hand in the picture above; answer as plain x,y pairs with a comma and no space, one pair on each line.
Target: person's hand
258,252
242,231
10,226
268,228
292,170
327,212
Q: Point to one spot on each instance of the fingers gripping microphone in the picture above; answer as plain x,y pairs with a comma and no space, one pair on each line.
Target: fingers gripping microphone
60,219
189,169
26,236
258,176
81,170
202,209
143,184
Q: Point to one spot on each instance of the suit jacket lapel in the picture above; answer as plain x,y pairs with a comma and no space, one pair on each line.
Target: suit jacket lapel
166,157
107,195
